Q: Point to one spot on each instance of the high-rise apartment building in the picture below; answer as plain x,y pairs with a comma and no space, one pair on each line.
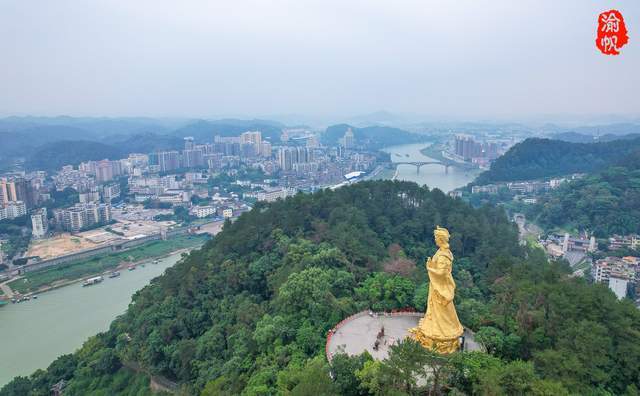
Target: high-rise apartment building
467,148
253,138
39,223
168,160
348,140
12,210
289,156
104,171
17,189
81,216
188,143
192,158
265,149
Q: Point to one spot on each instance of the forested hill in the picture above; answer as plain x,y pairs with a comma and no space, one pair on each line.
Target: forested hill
373,137
604,203
538,158
248,314
52,156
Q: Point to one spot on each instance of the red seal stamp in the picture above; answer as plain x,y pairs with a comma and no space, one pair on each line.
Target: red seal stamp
612,32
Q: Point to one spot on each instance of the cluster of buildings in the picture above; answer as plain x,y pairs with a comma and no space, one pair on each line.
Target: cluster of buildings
619,273
161,180
524,191
572,248
81,216
210,210
618,242
17,196
523,187
467,149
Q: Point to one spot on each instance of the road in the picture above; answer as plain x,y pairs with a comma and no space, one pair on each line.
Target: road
6,289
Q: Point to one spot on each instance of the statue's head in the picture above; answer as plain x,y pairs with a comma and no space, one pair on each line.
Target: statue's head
441,236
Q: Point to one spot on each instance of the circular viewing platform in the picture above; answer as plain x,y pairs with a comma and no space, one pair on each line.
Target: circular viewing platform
362,331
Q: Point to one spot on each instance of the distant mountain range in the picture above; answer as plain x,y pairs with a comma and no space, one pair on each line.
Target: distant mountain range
49,142
575,137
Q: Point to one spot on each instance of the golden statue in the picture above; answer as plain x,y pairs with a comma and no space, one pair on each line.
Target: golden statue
440,328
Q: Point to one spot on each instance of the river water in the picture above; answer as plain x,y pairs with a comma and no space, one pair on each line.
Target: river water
36,332
434,176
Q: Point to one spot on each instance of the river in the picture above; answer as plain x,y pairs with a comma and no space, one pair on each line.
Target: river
36,332
434,176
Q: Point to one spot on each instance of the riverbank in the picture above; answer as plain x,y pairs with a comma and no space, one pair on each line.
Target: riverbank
36,332
56,277
122,266
435,151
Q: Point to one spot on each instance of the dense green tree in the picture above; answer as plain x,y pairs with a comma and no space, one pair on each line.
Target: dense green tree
537,158
249,312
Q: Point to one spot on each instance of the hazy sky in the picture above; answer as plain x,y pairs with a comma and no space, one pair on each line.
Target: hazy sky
237,57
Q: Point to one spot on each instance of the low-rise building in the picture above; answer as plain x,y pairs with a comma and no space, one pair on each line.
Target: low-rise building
488,189
203,211
272,195
631,241
227,213
617,273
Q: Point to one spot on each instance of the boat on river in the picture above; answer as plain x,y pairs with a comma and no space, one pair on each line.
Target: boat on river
132,267
114,274
92,281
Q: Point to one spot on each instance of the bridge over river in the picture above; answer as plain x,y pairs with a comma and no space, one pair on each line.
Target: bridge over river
420,164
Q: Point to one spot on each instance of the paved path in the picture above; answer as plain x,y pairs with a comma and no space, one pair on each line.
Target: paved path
6,289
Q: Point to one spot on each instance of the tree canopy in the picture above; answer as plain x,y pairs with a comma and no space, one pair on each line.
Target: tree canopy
248,314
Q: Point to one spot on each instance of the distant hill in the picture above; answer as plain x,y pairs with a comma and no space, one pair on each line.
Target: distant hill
374,137
204,131
537,158
610,129
17,142
149,142
26,138
52,156
95,127
575,137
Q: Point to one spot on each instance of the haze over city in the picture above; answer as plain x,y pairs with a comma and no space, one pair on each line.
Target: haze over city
326,59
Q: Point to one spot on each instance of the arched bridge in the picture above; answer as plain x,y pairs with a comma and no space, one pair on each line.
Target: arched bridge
420,164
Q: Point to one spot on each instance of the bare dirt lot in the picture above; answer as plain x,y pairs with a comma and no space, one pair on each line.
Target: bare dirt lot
59,245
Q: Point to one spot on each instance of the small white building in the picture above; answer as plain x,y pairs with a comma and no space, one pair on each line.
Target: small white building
203,211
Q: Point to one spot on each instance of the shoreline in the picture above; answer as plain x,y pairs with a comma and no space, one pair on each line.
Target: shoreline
437,155
67,282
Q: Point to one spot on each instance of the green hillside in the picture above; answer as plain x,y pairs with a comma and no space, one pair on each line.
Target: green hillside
604,203
538,158
248,314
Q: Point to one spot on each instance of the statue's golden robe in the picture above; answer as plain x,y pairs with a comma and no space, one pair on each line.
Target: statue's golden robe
440,328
